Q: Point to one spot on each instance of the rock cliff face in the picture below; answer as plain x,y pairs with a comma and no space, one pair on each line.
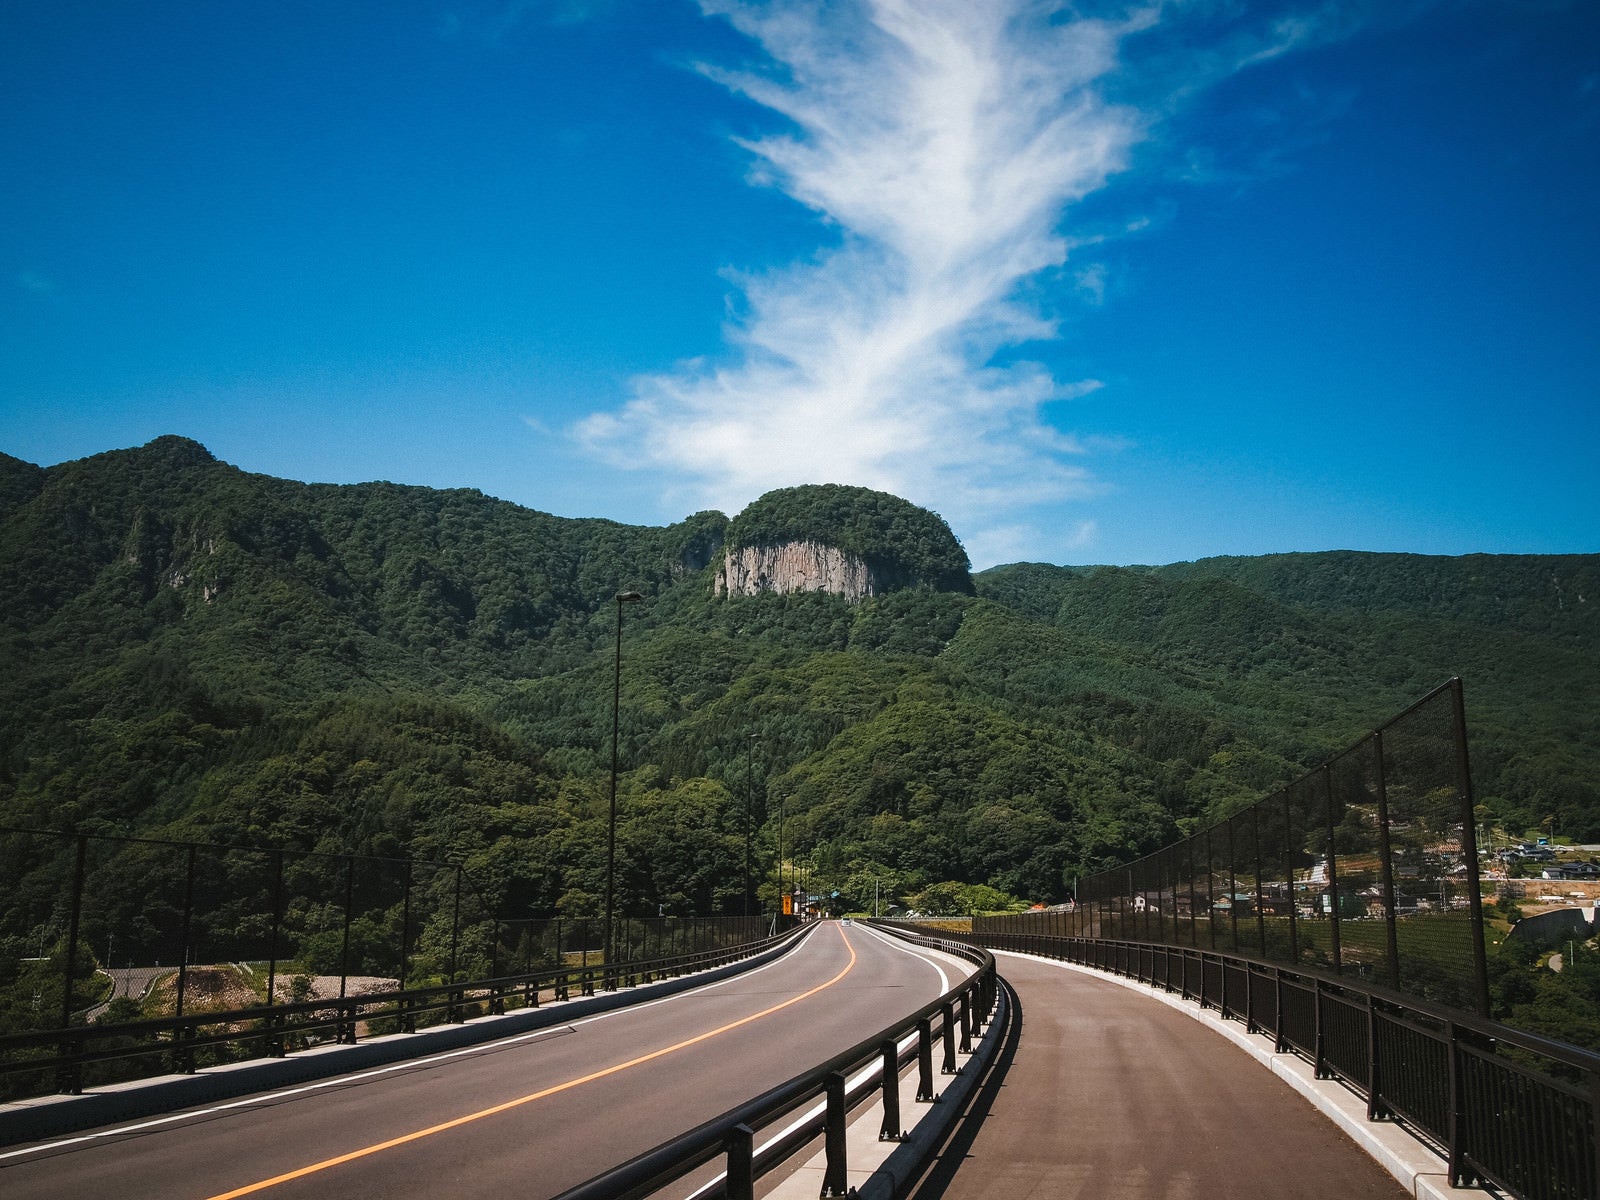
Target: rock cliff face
796,567
847,541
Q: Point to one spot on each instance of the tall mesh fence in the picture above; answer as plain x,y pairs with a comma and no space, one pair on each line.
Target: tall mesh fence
186,928
1366,866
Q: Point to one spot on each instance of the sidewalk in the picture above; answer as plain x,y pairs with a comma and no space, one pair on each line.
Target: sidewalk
1105,1092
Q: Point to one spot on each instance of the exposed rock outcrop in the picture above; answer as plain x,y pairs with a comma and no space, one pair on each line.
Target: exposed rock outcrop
796,567
848,541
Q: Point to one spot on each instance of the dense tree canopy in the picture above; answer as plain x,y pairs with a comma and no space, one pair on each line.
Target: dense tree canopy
906,543
196,652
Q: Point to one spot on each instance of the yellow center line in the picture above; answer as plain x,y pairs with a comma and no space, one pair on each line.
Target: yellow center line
419,1134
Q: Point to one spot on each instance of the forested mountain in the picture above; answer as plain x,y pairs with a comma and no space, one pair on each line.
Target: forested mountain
192,651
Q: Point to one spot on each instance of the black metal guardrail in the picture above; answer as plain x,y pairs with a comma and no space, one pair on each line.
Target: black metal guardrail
171,1044
1510,1109
958,1012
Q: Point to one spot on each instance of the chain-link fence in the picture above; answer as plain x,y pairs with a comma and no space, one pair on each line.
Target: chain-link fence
1366,866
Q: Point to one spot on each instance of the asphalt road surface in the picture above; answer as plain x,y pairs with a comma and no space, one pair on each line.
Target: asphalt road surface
132,982
1103,1094
526,1117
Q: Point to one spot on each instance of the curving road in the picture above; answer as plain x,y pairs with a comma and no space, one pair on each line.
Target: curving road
1102,1093
529,1116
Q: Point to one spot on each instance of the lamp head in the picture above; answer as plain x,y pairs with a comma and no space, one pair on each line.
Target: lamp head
628,597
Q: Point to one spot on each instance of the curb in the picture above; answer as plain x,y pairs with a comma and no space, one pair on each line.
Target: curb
879,1170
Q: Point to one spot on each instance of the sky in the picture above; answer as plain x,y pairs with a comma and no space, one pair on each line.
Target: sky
1097,282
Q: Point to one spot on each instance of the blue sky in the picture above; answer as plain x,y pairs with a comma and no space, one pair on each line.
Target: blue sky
1099,283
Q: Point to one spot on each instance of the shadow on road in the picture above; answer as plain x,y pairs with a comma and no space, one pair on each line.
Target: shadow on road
947,1161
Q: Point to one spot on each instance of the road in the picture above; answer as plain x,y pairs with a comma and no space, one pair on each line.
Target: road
132,982
528,1117
1103,1094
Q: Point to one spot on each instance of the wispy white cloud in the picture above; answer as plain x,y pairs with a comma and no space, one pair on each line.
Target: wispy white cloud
942,140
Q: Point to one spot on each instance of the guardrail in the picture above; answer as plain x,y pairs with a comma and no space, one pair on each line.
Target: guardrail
61,1056
1510,1109
958,1012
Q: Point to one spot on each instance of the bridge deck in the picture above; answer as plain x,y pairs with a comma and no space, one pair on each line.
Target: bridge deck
1106,1094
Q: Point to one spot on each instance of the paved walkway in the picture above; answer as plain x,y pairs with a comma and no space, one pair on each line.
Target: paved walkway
1105,1094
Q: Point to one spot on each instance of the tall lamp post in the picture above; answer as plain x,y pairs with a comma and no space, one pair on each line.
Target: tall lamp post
611,828
749,805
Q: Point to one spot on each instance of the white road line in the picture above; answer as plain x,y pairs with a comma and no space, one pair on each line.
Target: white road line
873,1071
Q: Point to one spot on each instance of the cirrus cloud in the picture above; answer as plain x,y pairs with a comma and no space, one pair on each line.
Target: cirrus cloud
940,142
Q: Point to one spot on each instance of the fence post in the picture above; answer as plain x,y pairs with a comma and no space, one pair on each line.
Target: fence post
184,928
275,1047
182,1056
966,1021
1211,889
1288,868
530,983
1469,853
1135,920
1594,1107
1319,1069
1386,864
345,1030
1375,1106
925,1092
891,1130
454,1014
741,1163
1454,1151
408,1020
1194,915
497,991
69,1079
1261,908
75,915
949,1036
1163,872
1333,873
835,1177
1233,889
1280,1043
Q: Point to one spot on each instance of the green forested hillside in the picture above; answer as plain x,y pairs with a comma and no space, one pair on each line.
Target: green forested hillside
196,652
900,540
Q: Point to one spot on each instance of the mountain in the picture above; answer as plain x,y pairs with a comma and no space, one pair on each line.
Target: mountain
850,541
192,651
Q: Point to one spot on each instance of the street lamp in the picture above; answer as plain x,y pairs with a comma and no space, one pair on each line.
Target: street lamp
611,828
